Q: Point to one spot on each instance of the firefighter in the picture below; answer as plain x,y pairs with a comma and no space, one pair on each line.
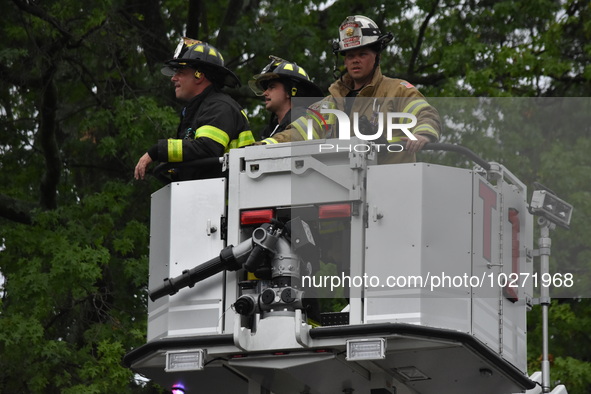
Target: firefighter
278,82
361,44
211,123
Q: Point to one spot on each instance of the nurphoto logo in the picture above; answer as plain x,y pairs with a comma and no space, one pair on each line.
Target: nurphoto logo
373,133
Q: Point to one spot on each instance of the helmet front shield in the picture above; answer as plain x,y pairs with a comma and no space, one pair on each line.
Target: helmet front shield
359,31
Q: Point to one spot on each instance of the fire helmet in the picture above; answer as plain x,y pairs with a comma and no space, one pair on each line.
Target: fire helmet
295,78
359,31
202,57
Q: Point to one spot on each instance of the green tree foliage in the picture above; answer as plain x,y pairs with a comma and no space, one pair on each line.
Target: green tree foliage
82,97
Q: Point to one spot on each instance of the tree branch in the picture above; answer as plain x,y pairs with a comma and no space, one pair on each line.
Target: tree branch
231,17
152,30
194,20
47,138
31,8
16,210
417,48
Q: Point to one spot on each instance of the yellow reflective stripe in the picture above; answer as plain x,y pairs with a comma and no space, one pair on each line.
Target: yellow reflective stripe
422,128
175,151
414,107
214,133
245,138
270,141
409,107
303,130
426,128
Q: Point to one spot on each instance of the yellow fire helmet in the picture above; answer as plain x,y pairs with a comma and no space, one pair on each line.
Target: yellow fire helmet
203,57
297,79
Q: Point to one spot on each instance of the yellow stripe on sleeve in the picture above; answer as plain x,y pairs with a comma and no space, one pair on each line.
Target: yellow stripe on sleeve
175,151
218,135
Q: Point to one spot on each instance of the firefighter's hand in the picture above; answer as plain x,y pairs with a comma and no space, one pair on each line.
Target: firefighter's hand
413,146
142,164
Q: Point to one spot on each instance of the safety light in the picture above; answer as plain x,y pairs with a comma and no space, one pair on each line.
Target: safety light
411,373
258,216
366,349
185,360
332,211
551,207
178,389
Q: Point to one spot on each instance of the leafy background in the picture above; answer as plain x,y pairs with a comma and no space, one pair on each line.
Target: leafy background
82,97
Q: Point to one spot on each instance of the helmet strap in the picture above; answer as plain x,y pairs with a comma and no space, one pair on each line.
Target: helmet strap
335,71
377,63
294,91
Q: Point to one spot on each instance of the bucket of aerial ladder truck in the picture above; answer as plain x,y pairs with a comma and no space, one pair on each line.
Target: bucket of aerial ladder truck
422,257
